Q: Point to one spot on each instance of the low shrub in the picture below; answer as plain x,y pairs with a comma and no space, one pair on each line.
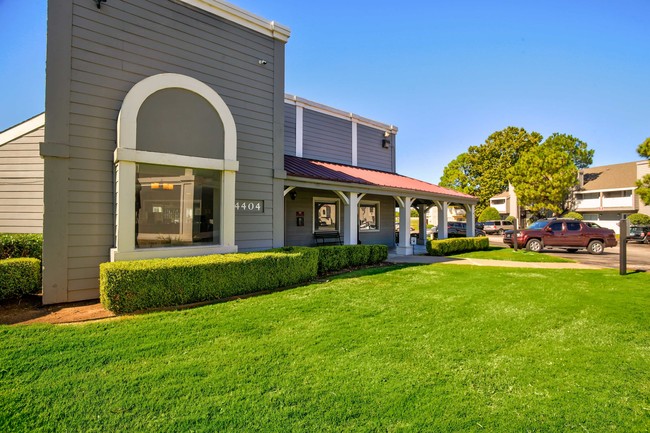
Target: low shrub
19,276
489,214
16,245
639,219
446,247
574,215
137,285
336,257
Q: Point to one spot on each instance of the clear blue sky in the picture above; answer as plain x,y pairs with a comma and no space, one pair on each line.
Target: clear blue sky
447,73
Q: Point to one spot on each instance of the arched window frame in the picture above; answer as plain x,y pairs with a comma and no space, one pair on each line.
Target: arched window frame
127,155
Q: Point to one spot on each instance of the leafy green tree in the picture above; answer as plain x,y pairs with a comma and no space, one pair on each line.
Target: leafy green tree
577,150
489,214
481,171
543,178
574,215
458,176
643,185
639,219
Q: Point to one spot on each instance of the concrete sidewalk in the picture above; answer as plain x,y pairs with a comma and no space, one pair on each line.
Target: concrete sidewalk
421,257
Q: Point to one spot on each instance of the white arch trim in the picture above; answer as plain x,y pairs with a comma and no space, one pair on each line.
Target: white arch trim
127,155
127,119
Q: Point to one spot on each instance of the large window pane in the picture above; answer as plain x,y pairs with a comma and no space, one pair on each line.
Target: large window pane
176,206
326,216
368,217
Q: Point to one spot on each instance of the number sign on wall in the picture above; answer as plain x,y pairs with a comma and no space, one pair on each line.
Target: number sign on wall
249,206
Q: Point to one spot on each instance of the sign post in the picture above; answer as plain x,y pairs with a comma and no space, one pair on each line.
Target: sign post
623,247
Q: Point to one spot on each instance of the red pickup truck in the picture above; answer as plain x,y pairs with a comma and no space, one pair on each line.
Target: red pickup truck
569,234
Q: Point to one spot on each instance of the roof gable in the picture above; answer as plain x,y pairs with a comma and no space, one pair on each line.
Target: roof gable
610,176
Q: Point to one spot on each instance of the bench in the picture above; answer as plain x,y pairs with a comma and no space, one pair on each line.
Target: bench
325,238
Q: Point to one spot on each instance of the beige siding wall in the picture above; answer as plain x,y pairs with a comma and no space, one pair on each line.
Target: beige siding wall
21,184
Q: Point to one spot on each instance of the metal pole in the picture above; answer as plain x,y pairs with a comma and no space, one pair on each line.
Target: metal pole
623,247
514,233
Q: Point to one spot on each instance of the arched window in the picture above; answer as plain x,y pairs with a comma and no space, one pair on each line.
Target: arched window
176,160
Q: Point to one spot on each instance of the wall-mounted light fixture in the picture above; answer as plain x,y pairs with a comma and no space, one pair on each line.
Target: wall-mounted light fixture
385,143
99,3
293,194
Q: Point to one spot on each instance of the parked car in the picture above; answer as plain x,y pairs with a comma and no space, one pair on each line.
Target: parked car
498,227
458,229
639,234
569,234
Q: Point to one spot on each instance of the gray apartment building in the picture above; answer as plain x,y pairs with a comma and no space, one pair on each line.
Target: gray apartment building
167,133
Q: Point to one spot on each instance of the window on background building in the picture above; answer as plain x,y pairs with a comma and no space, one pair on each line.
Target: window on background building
326,215
369,217
176,206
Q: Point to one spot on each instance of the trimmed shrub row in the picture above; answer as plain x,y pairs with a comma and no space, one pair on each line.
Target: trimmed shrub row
445,247
14,245
138,285
337,257
18,277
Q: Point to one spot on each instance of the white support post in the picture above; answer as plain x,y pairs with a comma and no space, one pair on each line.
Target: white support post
470,220
443,206
422,224
350,216
299,130
354,143
404,246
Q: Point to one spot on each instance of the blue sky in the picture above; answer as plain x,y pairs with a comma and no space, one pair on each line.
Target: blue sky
447,73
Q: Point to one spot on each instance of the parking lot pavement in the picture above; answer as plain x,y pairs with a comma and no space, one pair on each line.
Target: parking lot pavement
638,256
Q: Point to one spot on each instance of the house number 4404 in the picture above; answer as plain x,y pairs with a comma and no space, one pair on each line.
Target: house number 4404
249,206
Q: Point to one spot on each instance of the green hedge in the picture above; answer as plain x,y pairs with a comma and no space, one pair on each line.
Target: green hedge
137,285
19,276
445,247
13,246
337,257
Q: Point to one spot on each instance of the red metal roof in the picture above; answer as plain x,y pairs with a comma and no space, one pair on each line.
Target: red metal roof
312,169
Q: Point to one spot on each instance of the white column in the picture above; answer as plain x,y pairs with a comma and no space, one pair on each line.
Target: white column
125,218
471,224
422,224
350,216
442,219
228,209
404,246
299,129
354,143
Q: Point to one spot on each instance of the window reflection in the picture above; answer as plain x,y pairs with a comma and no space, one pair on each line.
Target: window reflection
326,216
368,217
176,206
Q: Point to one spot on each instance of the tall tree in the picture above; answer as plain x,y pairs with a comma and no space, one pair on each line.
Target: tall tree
643,185
577,150
458,176
481,170
543,178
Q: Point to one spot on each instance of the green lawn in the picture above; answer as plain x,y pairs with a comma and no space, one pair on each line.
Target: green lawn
420,348
521,255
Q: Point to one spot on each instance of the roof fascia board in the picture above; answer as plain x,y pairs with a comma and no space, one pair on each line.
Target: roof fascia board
22,128
335,112
242,17
370,189
622,188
